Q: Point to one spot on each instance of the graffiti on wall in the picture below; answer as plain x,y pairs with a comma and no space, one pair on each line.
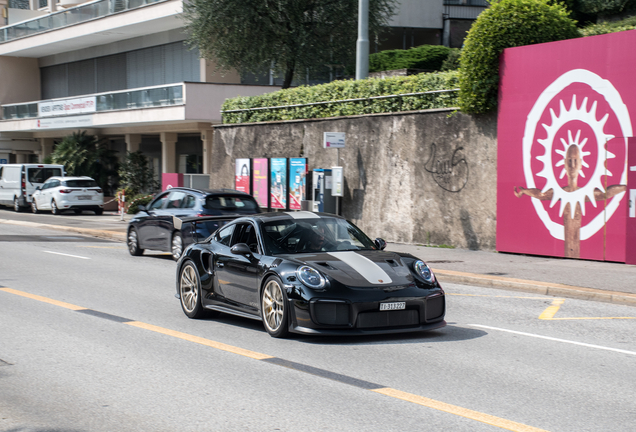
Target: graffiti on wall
450,171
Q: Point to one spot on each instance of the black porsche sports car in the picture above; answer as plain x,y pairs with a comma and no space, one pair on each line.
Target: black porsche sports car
310,273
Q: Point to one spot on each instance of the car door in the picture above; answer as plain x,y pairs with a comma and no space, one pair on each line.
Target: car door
238,274
38,196
148,224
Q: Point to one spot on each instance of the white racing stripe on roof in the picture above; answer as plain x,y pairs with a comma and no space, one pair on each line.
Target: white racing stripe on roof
363,265
303,215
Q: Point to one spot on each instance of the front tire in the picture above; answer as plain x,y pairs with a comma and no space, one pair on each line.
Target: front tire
34,207
190,291
274,308
176,246
133,243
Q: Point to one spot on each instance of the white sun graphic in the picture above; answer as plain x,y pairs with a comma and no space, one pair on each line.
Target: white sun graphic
599,89
557,122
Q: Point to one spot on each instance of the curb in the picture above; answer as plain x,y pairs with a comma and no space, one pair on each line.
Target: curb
444,276
103,234
543,288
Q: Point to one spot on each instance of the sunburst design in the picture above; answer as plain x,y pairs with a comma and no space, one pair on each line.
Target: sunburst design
588,117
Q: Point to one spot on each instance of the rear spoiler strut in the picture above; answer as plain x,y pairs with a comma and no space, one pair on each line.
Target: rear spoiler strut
180,222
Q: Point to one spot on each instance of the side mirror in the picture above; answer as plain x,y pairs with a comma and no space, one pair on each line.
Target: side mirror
241,249
38,188
380,243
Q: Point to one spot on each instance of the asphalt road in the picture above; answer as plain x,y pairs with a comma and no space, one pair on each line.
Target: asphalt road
92,339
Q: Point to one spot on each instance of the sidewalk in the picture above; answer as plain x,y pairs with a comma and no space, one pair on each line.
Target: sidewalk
560,277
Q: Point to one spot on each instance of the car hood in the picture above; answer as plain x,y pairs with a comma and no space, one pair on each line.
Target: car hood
360,268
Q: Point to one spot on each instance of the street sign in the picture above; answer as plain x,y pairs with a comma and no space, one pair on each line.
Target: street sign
334,140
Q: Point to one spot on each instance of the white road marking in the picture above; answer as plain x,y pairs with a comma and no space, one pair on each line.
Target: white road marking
73,256
363,265
555,339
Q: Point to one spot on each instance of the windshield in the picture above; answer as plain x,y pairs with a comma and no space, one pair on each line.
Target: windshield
324,234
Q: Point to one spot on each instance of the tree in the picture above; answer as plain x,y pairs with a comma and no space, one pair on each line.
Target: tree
85,155
136,176
505,24
289,35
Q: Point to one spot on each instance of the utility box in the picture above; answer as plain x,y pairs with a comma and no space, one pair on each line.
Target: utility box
319,192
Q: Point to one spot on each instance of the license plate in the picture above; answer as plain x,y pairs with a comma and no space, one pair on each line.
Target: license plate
392,306
84,197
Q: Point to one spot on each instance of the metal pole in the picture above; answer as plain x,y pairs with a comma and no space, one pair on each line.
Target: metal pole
362,51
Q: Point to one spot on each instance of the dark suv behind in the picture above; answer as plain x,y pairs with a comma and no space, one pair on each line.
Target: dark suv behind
153,227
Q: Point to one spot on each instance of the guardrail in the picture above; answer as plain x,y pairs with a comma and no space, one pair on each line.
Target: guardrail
146,97
74,15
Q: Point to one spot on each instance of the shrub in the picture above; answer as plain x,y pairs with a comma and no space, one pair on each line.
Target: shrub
428,57
136,201
609,27
507,23
342,90
452,61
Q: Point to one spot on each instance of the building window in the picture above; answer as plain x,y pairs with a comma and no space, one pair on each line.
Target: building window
19,4
159,65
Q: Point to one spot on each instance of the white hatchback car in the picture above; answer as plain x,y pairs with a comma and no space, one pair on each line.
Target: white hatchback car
59,194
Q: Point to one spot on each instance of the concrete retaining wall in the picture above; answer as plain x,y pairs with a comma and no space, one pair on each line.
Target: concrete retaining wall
426,177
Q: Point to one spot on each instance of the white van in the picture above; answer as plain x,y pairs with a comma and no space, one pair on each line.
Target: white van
18,182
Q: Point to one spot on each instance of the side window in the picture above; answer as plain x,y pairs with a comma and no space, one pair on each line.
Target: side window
158,203
46,185
224,236
247,235
55,183
175,200
189,201
1,172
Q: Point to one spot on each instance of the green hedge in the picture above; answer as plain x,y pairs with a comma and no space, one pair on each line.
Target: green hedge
505,24
428,57
340,90
609,27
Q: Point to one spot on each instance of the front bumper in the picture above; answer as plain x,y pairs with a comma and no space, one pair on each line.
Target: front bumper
339,316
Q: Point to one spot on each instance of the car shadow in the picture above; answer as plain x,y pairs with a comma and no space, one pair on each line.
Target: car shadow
450,333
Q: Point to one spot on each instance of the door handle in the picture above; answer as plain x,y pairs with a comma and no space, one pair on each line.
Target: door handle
220,264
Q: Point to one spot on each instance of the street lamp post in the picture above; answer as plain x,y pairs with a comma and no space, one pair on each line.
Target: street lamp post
362,47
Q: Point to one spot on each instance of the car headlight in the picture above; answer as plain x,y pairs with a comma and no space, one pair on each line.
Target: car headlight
310,277
422,270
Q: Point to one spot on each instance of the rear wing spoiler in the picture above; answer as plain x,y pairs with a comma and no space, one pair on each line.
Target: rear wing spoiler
180,223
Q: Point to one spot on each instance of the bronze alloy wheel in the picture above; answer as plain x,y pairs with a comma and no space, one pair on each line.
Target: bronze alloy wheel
273,308
190,291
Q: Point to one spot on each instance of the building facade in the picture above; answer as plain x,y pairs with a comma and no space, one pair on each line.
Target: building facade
120,70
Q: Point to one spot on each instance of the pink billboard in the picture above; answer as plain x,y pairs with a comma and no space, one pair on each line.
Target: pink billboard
564,125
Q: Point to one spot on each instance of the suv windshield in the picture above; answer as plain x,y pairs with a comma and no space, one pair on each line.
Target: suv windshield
231,204
291,236
81,183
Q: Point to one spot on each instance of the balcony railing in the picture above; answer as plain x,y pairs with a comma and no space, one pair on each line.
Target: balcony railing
75,15
147,97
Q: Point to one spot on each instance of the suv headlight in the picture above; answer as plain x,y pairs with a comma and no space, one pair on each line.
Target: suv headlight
424,271
311,277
